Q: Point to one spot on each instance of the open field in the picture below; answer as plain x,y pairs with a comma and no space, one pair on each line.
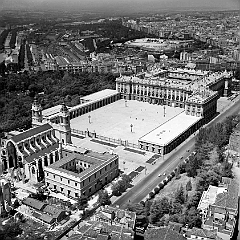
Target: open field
171,188
114,120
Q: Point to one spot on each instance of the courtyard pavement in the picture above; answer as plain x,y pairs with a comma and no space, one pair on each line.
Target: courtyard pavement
115,120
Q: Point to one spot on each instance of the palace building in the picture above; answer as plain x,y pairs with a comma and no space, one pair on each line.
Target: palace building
45,152
196,91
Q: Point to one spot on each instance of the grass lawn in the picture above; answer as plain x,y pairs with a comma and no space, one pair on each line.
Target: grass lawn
170,189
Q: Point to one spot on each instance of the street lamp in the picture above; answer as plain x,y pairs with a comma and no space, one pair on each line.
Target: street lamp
164,111
131,126
125,102
124,166
89,119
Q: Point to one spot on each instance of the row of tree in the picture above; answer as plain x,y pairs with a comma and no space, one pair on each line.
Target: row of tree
3,37
13,38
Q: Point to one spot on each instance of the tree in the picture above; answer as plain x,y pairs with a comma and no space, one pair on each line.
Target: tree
194,200
176,208
103,198
193,218
158,209
181,168
189,185
227,169
10,231
160,185
82,202
16,204
151,195
116,189
179,195
156,190
127,180
192,166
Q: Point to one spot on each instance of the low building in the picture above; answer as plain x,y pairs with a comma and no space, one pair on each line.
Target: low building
157,233
82,172
101,231
108,223
234,141
116,216
34,203
198,233
44,212
219,207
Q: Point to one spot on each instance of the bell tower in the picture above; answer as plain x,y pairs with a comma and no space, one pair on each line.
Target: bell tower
36,113
64,126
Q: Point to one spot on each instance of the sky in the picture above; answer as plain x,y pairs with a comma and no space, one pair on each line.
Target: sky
121,5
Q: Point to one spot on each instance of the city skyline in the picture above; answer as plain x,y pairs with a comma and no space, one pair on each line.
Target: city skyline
116,5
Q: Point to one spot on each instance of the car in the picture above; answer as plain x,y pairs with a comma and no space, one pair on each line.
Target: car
164,174
159,175
188,150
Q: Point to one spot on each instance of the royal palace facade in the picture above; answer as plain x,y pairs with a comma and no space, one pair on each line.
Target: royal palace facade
195,91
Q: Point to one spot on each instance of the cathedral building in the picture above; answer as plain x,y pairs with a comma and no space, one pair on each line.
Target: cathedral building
27,153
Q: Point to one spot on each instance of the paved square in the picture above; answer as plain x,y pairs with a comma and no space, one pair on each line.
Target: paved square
114,120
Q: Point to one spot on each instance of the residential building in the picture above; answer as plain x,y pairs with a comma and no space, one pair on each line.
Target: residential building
199,233
108,223
219,208
115,216
157,233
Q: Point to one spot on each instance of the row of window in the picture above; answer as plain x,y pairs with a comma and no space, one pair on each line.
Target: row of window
161,90
89,179
84,193
152,149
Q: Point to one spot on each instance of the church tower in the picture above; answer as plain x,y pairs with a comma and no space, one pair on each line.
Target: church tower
36,113
64,126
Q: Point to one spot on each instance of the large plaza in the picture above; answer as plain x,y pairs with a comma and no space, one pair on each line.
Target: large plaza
125,120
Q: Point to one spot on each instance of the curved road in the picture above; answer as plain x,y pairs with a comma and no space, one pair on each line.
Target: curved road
147,184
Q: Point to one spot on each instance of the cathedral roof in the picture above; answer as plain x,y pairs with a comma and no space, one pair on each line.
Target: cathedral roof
31,132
